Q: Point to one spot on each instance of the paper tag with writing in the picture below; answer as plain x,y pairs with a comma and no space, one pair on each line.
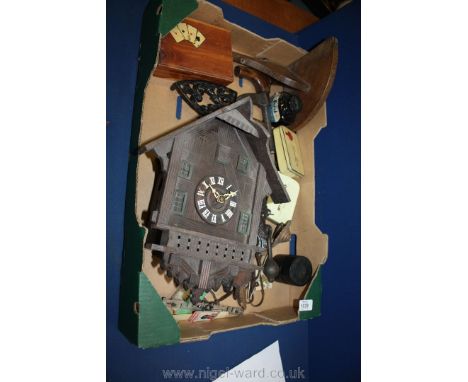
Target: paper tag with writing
306,305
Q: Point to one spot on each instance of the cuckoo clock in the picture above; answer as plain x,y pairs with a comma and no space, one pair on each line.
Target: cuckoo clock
205,213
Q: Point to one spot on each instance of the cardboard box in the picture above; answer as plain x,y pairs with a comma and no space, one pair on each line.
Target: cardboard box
144,318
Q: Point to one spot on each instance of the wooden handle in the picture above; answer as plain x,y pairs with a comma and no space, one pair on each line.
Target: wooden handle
261,82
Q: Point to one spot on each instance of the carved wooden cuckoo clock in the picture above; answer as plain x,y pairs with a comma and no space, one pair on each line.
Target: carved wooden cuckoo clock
205,214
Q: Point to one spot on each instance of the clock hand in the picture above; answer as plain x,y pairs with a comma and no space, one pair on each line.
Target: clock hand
230,195
215,193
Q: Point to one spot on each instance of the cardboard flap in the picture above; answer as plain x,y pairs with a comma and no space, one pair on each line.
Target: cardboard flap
314,293
245,41
172,12
203,330
156,326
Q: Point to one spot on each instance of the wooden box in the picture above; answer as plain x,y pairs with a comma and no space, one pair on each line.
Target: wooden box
211,61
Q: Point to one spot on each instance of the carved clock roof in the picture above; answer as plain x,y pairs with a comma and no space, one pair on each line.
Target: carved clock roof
239,116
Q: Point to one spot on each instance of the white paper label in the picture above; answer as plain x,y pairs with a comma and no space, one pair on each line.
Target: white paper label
305,305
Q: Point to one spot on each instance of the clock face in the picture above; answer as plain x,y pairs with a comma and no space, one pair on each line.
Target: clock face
216,199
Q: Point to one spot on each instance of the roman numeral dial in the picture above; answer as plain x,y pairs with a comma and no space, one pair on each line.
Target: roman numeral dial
216,199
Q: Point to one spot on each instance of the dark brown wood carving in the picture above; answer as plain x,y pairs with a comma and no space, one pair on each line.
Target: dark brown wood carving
318,69
205,210
310,77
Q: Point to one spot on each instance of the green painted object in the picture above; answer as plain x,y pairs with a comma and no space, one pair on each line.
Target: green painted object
156,325
173,11
315,294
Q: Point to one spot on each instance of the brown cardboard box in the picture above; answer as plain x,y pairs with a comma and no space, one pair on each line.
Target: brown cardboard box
158,118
